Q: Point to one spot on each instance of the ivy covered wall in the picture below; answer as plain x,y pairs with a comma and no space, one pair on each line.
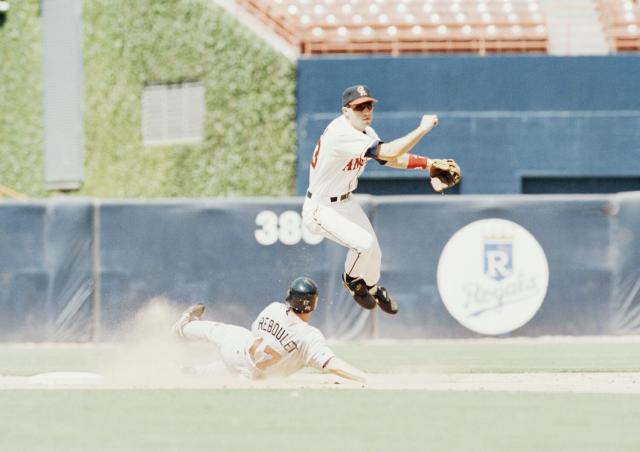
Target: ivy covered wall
21,154
249,132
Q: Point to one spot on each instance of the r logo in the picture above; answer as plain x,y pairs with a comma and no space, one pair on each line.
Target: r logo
498,260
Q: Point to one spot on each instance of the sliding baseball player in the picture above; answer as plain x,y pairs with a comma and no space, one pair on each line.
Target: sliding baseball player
280,343
339,158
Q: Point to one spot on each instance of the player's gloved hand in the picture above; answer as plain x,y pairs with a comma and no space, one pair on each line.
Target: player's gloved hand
444,173
428,122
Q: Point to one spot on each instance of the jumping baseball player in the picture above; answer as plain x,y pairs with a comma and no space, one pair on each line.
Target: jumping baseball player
280,343
339,158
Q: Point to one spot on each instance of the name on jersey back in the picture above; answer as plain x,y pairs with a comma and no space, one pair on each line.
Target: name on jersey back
278,332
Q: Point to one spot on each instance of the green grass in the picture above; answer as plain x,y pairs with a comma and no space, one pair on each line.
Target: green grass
464,357
315,420
310,420
498,357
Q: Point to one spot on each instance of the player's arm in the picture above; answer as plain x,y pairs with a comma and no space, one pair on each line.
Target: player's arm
444,173
396,148
410,161
345,370
321,357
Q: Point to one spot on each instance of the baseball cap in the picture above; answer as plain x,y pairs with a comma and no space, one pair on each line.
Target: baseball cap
357,94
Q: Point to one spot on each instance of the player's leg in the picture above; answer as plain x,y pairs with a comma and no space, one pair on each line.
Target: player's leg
344,224
367,264
231,340
334,223
206,330
234,353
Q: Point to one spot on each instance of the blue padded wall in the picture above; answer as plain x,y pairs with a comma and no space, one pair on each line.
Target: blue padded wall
54,254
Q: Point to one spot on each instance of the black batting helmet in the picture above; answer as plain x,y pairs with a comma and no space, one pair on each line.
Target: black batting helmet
303,295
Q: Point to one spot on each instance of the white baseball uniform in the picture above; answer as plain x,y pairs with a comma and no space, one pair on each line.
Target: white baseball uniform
338,160
277,345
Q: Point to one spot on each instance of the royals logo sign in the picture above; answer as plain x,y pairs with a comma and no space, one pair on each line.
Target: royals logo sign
493,276
498,260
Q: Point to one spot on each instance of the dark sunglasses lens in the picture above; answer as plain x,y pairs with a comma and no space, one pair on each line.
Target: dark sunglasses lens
363,106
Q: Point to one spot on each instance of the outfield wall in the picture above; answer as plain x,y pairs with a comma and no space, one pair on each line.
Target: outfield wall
78,269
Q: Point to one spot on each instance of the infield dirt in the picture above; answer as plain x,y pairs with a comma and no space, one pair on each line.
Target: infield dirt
149,357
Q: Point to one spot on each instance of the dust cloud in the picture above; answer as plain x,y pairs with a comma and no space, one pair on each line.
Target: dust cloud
147,354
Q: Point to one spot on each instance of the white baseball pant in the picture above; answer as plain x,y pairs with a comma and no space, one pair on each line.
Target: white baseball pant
346,223
233,342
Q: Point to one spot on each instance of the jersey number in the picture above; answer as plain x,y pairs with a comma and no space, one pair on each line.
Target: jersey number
316,153
274,355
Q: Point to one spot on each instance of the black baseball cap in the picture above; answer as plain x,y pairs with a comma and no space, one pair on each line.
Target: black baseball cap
357,94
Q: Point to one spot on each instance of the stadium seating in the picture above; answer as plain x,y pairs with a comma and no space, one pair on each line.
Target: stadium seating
405,26
621,22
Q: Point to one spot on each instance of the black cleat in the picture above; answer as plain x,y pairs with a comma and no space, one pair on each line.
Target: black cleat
386,303
360,292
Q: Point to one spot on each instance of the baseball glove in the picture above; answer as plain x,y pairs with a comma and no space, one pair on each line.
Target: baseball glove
444,173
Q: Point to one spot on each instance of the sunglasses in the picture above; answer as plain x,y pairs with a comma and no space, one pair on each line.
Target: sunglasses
363,106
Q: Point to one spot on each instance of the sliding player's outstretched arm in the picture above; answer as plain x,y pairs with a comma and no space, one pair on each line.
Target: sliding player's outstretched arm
345,370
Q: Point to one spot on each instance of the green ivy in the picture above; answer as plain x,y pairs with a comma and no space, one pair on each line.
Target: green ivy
249,144
21,132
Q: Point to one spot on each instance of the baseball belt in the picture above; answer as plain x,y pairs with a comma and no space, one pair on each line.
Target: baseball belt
333,198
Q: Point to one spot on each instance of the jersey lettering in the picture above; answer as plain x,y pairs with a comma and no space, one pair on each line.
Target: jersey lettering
290,346
354,164
316,153
293,344
278,332
339,157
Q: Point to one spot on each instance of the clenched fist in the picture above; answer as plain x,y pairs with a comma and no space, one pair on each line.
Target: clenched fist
428,122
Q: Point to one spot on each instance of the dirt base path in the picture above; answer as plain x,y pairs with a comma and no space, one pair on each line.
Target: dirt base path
601,382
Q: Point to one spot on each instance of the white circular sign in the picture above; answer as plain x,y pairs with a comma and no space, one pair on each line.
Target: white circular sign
493,276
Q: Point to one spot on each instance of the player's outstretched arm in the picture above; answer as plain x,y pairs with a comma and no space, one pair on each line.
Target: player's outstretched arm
345,370
402,145
410,161
444,173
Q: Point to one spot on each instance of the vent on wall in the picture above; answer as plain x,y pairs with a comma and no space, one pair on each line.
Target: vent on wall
173,113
